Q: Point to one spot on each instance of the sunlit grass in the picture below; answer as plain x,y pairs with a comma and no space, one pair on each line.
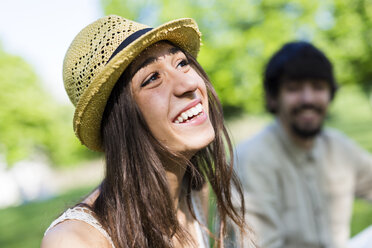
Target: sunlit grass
24,226
362,216
351,112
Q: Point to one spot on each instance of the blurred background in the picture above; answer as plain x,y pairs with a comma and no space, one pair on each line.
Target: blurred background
43,167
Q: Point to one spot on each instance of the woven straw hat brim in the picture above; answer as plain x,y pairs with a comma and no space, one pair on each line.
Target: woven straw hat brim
89,110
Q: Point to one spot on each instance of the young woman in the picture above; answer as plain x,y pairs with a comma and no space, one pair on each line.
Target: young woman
142,99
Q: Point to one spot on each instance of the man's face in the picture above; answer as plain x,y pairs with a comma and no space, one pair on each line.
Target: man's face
302,106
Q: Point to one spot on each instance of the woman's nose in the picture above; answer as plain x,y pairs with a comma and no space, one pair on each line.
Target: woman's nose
184,83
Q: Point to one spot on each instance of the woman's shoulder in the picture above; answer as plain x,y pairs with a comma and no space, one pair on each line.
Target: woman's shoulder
74,233
77,227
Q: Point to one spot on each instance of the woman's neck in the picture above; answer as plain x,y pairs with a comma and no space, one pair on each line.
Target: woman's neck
174,174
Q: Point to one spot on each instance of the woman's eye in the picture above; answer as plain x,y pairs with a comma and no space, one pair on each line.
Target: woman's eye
183,63
152,78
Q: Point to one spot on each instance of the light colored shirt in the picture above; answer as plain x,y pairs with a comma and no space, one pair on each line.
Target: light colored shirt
298,198
85,215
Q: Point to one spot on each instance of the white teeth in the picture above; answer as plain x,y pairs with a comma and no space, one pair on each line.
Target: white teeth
189,113
199,107
194,111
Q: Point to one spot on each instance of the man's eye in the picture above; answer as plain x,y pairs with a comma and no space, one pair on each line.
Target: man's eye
183,63
320,86
152,78
292,88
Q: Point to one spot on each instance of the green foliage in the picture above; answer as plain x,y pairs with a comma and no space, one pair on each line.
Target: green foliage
348,41
31,121
239,36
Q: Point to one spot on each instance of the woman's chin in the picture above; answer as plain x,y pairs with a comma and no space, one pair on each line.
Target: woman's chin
198,143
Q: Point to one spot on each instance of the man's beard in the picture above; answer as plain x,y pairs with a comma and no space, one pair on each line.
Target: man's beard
306,133
303,132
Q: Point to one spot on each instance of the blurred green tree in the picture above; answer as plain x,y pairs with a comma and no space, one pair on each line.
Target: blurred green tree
348,41
31,121
240,35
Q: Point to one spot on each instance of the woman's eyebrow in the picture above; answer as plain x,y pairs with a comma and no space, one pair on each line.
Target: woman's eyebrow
174,50
149,60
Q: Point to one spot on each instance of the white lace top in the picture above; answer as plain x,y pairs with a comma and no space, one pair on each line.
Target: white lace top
84,214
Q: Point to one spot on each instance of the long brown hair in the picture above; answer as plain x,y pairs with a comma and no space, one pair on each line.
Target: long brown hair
134,203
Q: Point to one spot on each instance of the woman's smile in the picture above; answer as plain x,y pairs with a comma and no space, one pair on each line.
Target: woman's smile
191,114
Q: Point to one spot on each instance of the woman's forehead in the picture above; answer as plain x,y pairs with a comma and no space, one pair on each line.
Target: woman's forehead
152,54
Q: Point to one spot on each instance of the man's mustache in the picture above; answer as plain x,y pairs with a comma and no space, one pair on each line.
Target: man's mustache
304,107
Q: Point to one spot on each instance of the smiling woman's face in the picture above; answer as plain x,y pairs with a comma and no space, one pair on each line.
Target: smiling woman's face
172,98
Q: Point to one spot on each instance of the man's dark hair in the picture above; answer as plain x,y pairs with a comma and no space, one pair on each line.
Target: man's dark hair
296,61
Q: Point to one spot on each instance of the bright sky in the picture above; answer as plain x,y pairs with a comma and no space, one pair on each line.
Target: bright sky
41,31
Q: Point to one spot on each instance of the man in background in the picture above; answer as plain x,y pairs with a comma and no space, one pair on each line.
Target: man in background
299,178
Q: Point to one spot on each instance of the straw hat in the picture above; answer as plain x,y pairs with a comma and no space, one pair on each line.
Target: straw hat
98,56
